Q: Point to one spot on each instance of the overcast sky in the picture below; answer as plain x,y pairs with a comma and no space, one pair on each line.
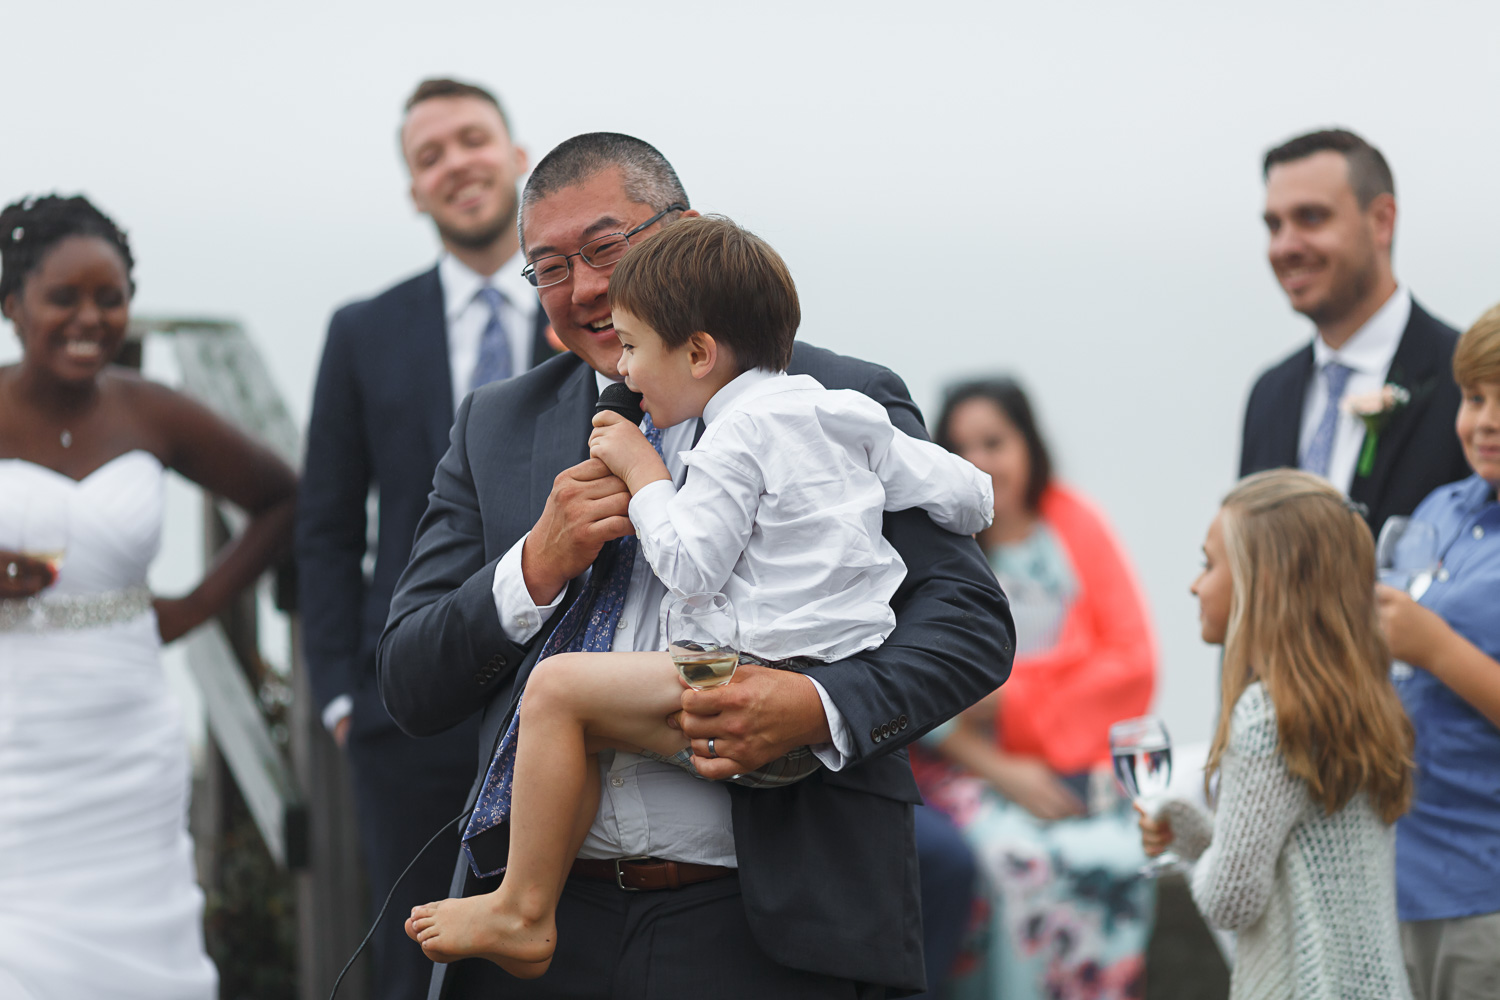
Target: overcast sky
1068,192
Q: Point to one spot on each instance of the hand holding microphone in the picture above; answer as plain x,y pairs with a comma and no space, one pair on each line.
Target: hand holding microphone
588,506
617,440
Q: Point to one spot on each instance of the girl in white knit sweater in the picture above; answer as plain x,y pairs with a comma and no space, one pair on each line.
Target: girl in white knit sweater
1312,750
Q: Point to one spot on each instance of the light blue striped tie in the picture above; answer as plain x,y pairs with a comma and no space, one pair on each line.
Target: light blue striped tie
1320,449
494,345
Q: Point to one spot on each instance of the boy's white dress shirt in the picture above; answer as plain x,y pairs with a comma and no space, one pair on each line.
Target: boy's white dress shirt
782,508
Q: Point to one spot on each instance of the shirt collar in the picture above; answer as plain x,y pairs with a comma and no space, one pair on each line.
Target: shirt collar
1472,493
1373,346
461,284
740,387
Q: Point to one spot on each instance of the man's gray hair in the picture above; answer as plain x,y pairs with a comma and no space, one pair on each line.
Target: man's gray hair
649,178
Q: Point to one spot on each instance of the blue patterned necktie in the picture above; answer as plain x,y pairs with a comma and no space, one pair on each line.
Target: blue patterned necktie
494,345
588,626
1320,449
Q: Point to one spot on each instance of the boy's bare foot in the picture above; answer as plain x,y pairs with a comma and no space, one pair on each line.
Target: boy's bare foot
476,927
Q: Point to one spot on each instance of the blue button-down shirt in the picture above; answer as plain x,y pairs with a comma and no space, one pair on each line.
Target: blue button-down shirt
1448,846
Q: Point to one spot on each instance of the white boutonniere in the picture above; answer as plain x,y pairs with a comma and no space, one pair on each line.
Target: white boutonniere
1374,409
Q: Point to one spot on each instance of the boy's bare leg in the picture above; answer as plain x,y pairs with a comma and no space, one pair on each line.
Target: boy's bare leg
576,704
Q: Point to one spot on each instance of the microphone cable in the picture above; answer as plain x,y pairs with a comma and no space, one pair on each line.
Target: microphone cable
383,906
618,398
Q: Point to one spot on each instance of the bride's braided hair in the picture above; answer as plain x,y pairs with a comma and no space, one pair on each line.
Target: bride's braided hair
29,228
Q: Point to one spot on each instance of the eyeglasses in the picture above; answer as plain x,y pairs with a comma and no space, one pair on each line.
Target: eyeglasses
605,251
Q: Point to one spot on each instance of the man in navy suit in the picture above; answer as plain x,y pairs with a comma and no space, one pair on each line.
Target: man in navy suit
394,368
805,891
1331,214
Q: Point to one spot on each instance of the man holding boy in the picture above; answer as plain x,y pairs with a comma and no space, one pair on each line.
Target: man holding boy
809,890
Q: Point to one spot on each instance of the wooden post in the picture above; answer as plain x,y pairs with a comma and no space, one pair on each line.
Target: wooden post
332,912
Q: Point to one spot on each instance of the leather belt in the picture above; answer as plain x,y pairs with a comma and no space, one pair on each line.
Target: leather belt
647,874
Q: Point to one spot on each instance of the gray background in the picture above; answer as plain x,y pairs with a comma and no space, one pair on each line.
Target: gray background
1068,192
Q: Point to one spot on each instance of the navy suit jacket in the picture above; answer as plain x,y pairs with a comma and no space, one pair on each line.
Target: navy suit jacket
828,866
381,413
1417,451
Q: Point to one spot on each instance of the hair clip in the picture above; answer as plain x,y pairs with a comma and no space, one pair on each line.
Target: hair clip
1355,507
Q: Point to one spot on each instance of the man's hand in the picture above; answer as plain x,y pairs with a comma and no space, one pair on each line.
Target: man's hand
620,445
759,716
587,507
1413,632
341,732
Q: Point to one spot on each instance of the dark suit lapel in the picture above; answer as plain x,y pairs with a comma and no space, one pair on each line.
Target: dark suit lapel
561,434
541,346
428,332
1284,422
1414,367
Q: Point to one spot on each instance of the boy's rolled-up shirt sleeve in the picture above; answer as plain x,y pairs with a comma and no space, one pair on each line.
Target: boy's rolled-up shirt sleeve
693,537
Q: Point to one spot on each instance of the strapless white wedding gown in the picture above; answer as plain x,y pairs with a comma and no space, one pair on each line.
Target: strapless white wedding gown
97,891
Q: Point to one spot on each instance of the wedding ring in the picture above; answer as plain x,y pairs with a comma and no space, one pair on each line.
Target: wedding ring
711,752
12,571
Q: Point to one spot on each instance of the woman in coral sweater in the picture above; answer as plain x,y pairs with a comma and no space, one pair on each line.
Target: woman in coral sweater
1026,773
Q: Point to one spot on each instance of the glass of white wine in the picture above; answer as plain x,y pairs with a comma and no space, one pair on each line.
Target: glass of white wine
703,637
1142,753
44,530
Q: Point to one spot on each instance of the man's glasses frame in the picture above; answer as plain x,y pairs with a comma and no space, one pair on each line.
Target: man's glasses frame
601,252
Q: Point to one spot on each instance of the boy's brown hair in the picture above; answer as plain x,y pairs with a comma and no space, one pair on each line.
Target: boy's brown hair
1477,357
710,275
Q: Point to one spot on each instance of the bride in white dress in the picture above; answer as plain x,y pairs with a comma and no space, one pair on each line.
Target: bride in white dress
97,892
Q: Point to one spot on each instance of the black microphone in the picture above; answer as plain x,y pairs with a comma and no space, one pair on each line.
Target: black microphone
618,398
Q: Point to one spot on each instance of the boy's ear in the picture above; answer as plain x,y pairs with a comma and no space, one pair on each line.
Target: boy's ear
703,353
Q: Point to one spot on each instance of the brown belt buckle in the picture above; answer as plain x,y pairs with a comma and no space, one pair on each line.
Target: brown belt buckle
620,872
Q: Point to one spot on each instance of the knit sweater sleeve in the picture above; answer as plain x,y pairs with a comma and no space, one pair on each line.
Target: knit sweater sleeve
1260,801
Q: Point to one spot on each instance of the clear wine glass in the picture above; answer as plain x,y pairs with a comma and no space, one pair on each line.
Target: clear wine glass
1142,753
1407,558
703,637
1406,555
44,530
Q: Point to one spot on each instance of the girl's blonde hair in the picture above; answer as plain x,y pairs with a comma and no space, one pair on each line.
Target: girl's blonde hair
1303,621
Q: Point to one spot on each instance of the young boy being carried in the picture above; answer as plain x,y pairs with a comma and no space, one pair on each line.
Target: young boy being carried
780,511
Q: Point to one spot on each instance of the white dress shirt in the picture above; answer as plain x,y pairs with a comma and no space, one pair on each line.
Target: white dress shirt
782,508
468,314
1368,354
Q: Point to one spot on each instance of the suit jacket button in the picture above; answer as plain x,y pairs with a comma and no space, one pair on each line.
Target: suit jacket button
479,679
885,730
902,720
497,661
875,734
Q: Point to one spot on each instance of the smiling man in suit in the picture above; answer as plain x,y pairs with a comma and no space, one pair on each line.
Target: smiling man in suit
808,890
1331,215
394,368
